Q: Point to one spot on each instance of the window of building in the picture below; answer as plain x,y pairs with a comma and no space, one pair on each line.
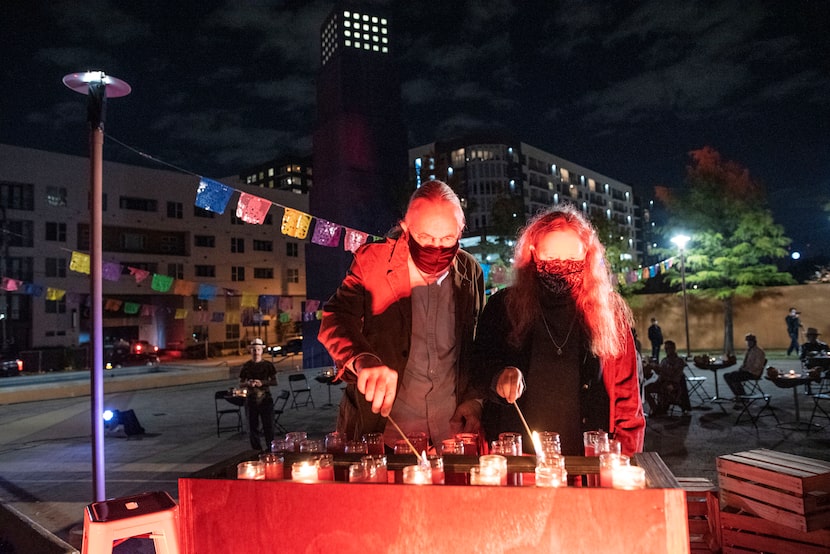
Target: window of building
238,245
132,242
200,332
20,233
56,306
205,271
263,245
199,212
152,267
55,231
292,249
237,273
292,275
56,196
263,273
176,271
17,196
199,304
175,210
232,331
172,244
55,267
206,241
138,204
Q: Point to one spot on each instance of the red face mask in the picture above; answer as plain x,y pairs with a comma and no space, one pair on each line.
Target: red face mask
431,259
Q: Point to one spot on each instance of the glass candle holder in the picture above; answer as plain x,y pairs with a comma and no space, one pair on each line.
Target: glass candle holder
550,442
304,472
608,462
515,442
452,446
417,475
375,469
250,470
551,476
311,445
355,447
590,439
485,475
497,462
281,446
294,438
470,441
374,443
419,440
325,467
335,442
357,473
273,464
436,464
629,478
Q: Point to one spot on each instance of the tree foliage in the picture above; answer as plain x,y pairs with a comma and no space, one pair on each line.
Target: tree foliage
734,240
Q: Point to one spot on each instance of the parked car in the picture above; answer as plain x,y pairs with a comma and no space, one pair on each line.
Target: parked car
136,352
291,347
9,367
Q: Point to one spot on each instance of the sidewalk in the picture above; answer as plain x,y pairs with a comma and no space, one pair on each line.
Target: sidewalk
45,447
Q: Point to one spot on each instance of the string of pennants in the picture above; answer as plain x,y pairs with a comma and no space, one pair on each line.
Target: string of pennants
214,196
644,273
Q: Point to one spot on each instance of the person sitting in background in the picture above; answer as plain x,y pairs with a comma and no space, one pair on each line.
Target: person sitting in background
670,386
812,347
752,367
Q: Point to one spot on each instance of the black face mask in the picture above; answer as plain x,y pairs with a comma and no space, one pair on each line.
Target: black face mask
431,259
560,277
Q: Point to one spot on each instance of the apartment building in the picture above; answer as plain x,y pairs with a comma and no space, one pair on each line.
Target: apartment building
214,263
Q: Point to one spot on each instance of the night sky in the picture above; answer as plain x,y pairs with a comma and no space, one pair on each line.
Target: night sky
624,88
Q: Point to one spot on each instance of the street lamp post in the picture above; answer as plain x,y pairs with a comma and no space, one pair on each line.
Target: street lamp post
98,86
680,241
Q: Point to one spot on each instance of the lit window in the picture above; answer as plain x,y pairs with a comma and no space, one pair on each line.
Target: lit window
383,31
375,38
365,27
365,18
347,23
348,42
375,48
374,28
385,50
384,40
383,21
347,33
357,45
374,20
356,15
347,14
366,46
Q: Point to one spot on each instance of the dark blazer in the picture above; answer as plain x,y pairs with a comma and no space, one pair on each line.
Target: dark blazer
371,312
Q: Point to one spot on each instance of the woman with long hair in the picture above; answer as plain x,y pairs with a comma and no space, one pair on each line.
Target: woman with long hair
558,341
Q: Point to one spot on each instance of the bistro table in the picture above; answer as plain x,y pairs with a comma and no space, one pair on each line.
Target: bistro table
326,377
791,381
714,364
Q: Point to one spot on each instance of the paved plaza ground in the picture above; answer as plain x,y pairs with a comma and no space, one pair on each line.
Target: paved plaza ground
45,446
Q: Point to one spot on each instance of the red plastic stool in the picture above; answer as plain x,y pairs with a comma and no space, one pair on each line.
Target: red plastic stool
150,514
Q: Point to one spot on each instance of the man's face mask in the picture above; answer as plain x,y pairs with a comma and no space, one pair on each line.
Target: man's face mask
560,277
431,259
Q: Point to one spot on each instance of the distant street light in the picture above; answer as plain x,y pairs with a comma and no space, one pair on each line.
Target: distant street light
680,241
98,86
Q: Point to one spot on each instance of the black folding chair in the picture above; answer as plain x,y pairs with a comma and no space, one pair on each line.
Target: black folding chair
279,407
754,395
300,390
224,404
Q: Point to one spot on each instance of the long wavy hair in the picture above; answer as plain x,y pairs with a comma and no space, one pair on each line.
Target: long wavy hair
607,317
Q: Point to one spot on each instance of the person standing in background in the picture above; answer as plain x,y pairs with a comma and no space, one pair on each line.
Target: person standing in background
258,375
655,336
793,325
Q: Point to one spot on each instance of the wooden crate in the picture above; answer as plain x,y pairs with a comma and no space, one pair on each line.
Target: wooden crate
790,490
703,510
742,532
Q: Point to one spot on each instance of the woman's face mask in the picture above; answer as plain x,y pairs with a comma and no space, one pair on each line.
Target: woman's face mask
560,277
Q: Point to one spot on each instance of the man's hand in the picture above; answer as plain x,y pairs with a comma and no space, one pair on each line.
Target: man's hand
467,417
378,385
511,384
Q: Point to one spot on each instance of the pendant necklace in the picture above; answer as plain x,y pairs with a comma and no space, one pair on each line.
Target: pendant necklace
559,347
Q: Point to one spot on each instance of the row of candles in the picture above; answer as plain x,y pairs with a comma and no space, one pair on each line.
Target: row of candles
615,469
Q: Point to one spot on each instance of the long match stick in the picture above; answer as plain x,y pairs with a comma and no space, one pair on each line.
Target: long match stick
524,422
411,446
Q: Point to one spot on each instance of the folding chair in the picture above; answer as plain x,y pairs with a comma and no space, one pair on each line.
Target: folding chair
300,390
228,407
754,394
279,407
822,396
694,383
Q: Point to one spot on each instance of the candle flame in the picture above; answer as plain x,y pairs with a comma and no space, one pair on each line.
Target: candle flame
424,462
537,444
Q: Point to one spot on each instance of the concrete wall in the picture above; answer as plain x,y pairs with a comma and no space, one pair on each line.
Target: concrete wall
763,315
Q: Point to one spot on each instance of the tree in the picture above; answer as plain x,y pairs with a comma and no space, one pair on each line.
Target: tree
734,238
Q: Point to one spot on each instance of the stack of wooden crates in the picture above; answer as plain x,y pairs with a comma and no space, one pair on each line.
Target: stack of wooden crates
774,502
